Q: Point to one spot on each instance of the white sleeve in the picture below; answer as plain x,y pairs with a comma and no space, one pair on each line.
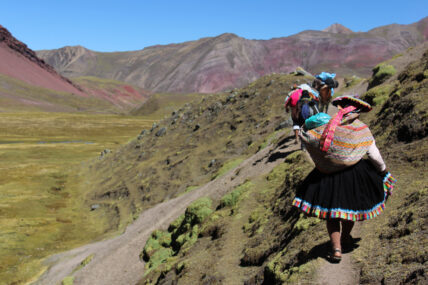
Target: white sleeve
375,157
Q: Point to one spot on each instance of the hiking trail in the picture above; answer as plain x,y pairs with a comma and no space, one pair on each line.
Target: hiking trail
343,273
116,260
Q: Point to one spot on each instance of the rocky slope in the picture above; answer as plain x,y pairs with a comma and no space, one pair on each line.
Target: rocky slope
228,61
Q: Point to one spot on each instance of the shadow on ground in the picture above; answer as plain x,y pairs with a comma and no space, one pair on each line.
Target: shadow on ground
323,250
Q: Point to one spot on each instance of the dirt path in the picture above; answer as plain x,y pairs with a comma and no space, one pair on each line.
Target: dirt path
116,261
343,273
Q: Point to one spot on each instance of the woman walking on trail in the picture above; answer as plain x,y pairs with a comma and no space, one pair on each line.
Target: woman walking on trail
343,188
291,103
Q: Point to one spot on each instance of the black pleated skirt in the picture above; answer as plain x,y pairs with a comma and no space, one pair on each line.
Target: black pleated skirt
356,193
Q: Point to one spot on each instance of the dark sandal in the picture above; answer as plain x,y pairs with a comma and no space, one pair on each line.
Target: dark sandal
334,258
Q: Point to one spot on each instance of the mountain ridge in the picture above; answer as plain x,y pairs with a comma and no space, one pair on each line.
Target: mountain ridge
338,29
213,64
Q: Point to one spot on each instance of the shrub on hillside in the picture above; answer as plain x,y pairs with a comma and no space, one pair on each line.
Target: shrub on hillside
381,72
183,232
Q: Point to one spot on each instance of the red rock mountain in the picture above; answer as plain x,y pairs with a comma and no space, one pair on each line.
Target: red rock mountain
20,62
228,61
29,83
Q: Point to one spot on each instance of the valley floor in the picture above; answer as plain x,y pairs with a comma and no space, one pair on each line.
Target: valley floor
41,158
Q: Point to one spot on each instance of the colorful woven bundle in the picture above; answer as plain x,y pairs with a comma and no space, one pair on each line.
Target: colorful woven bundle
351,141
389,183
328,134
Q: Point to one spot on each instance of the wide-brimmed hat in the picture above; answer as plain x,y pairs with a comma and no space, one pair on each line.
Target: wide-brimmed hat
347,100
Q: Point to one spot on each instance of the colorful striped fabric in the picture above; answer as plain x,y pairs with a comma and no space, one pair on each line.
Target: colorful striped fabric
328,133
389,183
351,141
351,215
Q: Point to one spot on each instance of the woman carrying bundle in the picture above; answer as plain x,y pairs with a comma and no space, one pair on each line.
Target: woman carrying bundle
343,188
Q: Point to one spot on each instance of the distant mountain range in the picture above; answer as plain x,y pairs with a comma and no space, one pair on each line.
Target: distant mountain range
229,61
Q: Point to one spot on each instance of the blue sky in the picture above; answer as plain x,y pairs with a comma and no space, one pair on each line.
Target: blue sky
131,25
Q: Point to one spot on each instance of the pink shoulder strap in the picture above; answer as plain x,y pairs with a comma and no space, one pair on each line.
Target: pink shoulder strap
328,134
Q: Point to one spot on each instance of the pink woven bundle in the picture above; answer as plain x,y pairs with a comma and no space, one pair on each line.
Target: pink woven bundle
328,134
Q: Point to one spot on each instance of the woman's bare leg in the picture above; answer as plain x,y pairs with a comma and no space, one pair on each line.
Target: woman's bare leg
333,228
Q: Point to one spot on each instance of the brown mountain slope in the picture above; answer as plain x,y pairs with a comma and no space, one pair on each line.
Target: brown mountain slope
338,29
20,62
27,83
227,61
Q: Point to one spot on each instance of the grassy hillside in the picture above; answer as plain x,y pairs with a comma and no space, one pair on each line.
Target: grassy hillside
123,96
104,96
253,236
42,156
398,247
194,145
161,105
18,96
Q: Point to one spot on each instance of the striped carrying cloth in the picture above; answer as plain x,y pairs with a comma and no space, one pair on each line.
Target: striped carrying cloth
339,144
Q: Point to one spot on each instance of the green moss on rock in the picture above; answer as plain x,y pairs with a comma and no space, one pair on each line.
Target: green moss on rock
174,225
378,95
305,222
229,165
160,256
381,73
198,211
181,234
69,280
230,199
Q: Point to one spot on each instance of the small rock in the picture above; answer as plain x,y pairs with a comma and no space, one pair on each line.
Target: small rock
270,83
211,163
154,126
245,94
140,156
104,152
161,132
231,98
94,207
